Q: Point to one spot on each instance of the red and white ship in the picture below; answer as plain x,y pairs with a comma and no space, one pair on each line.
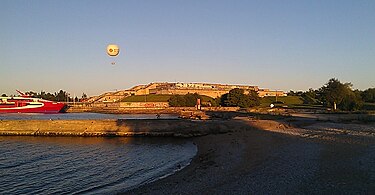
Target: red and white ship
27,104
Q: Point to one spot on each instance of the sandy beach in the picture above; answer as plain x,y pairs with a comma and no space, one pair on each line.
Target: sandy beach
278,157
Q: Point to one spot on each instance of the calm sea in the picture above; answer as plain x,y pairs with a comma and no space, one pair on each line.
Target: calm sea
81,165
72,116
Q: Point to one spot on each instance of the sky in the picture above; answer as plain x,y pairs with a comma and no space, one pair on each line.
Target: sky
282,45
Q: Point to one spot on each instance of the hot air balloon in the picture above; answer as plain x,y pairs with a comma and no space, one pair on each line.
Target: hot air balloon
113,50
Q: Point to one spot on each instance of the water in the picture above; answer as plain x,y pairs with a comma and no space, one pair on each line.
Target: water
76,165
81,165
72,116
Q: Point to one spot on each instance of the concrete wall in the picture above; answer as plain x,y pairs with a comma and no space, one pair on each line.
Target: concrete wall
144,104
266,93
210,93
136,107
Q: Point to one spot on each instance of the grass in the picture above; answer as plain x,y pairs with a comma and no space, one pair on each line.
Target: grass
206,98
296,102
284,100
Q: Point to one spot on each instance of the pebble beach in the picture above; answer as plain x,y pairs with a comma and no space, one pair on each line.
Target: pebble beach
278,157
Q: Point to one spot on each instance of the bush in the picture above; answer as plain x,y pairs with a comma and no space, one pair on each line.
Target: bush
236,97
188,100
369,95
341,94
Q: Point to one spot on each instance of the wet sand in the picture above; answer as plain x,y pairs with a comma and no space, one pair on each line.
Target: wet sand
278,157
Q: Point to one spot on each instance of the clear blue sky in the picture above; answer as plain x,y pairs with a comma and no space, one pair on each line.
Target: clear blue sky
286,45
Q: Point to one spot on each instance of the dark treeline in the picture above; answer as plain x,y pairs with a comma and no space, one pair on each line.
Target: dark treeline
235,97
188,100
333,94
61,96
340,94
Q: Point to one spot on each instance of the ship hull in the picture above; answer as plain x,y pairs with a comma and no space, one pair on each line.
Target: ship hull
30,105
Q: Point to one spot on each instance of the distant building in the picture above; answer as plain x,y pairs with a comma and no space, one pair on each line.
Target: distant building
267,92
211,90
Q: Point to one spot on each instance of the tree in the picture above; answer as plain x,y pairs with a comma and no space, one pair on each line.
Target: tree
310,97
4,95
191,99
353,101
254,99
49,96
84,96
341,94
188,100
177,101
214,102
62,96
236,97
368,95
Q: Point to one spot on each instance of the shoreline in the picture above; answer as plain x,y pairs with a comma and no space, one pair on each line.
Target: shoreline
245,154
273,157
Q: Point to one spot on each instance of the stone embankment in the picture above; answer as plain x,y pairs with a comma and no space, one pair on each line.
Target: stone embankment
120,127
116,108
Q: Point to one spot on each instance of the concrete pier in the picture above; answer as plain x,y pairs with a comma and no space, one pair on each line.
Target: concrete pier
111,127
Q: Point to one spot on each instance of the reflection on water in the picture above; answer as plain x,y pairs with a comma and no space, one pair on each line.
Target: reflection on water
72,116
46,165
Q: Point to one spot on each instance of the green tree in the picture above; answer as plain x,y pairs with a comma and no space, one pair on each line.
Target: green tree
4,95
236,97
191,99
310,97
214,102
254,99
352,101
368,95
188,100
341,94
177,101
84,96
62,96
49,96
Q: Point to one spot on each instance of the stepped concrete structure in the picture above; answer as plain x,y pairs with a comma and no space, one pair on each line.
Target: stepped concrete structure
166,88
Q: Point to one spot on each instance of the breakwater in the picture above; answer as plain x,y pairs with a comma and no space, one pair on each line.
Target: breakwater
134,107
115,127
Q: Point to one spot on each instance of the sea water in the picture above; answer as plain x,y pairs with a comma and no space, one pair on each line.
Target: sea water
87,165
77,165
81,116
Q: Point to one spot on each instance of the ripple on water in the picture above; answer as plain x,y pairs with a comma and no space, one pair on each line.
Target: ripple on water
31,165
